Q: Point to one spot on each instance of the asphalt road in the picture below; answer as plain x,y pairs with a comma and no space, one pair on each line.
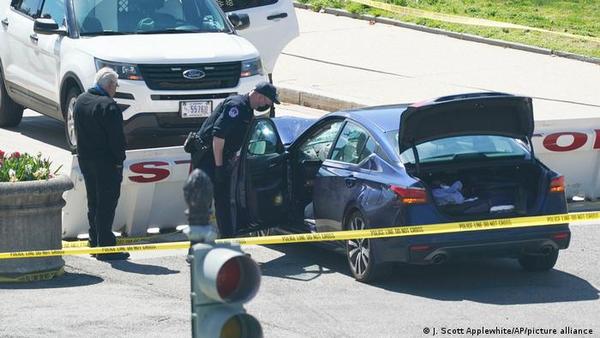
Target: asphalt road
306,291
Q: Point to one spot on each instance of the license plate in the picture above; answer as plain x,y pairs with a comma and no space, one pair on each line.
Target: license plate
195,109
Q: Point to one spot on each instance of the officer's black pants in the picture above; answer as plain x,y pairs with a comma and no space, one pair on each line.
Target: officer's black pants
103,186
222,196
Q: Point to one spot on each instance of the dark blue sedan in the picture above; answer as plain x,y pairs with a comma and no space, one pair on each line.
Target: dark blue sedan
463,157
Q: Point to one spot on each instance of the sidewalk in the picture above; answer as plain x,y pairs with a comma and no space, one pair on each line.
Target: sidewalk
337,60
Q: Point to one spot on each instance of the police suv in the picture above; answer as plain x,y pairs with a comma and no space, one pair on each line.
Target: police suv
176,59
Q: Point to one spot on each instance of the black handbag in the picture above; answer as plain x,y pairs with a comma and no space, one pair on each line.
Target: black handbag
195,146
192,142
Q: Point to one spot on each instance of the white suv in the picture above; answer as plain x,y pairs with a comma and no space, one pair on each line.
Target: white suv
176,59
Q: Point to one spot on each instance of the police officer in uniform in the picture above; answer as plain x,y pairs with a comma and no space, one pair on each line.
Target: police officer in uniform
221,137
101,152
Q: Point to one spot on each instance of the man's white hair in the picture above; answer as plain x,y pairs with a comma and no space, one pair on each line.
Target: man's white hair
106,76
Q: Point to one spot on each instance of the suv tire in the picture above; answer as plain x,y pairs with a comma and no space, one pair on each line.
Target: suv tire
11,112
70,134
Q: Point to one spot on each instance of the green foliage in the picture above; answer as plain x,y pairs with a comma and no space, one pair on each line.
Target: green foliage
578,17
398,2
18,167
355,8
317,5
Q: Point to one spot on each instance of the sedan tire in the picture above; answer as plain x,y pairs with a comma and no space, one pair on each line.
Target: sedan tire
538,262
359,252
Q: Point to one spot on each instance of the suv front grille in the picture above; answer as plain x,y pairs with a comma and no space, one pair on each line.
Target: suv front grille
170,77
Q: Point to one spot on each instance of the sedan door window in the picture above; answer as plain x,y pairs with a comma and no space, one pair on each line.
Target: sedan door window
351,145
263,140
317,146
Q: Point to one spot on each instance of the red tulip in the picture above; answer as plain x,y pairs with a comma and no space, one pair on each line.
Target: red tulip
16,154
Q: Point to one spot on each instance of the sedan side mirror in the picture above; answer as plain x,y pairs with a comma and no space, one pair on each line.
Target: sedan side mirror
47,26
239,21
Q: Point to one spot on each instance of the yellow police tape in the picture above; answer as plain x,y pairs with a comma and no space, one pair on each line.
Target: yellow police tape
402,231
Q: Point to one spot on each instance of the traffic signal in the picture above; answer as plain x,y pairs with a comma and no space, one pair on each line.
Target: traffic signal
223,279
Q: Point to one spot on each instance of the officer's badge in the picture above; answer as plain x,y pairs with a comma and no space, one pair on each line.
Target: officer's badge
233,112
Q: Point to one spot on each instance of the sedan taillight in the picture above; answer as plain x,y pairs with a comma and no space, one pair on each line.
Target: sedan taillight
410,195
557,184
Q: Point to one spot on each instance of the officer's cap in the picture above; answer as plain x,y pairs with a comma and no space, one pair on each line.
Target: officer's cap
267,90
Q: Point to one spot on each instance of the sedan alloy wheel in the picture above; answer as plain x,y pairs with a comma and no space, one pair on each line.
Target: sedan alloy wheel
359,251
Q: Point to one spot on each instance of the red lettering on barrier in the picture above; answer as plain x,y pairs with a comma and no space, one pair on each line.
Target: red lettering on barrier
597,142
141,168
579,139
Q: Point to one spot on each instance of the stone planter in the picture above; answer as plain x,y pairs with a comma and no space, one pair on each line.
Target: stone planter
30,219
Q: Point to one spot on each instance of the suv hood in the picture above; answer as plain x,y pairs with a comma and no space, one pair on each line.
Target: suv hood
168,48
485,114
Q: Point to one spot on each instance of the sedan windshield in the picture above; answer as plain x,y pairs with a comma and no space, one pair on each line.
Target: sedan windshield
463,147
119,17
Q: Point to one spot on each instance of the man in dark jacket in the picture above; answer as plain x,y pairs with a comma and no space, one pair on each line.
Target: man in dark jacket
222,135
101,152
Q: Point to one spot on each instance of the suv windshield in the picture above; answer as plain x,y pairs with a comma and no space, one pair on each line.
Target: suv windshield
114,17
463,147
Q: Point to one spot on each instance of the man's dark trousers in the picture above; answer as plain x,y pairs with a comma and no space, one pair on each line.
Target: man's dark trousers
103,186
222,195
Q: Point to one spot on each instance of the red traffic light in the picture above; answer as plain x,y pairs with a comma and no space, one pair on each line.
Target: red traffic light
228,278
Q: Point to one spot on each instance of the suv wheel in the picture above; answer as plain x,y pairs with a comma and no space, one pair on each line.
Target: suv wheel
71,136
539,262
359,252
11,113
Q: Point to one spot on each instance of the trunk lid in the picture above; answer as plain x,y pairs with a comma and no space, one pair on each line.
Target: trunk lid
470,114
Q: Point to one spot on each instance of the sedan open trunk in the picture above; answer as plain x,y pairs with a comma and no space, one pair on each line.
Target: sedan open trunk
479,190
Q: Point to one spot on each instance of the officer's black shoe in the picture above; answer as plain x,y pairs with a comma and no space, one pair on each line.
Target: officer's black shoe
113,256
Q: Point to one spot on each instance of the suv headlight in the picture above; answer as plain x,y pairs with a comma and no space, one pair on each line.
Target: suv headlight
252,67
125,71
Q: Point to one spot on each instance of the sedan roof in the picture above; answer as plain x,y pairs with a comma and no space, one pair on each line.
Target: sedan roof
384,118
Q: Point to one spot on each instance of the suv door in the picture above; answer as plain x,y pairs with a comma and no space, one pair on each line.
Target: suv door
22,44
48,53
262,179
273,24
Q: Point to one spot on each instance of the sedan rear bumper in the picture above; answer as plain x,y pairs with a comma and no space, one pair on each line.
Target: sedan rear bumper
434,249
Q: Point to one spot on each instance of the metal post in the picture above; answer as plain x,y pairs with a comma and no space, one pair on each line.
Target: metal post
198,194
217,308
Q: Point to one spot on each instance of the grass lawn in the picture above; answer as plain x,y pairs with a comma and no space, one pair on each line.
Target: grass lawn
578,17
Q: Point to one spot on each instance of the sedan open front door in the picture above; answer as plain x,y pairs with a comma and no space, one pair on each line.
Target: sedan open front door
262,179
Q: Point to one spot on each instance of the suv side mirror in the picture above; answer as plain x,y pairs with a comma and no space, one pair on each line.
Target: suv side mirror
239,21
47,26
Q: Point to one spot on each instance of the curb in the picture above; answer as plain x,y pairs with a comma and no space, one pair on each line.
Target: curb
305,98
461,36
